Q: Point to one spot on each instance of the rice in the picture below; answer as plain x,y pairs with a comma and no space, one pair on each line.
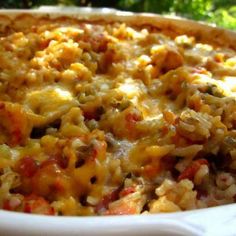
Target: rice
112,119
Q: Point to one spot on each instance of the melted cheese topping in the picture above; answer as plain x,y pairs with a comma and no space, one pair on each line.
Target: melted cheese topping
113,119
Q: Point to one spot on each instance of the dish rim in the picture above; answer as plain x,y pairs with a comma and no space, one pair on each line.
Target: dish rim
10,221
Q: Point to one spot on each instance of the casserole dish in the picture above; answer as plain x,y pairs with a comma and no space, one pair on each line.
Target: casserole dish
170,149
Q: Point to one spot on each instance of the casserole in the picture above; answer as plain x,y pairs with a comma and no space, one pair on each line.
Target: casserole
194,128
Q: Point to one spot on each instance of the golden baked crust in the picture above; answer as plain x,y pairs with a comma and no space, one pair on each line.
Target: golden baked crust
115,115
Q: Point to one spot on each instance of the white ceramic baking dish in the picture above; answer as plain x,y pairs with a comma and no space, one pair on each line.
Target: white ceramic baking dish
212,221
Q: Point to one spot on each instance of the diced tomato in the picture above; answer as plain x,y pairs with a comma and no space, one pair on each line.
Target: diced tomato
11,204
127,191
191,170
27,167
44,182
131,120
37,205
14,124
132,117
6,205
103,204
58,185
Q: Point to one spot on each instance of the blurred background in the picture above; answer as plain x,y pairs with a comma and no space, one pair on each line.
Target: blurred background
219,12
